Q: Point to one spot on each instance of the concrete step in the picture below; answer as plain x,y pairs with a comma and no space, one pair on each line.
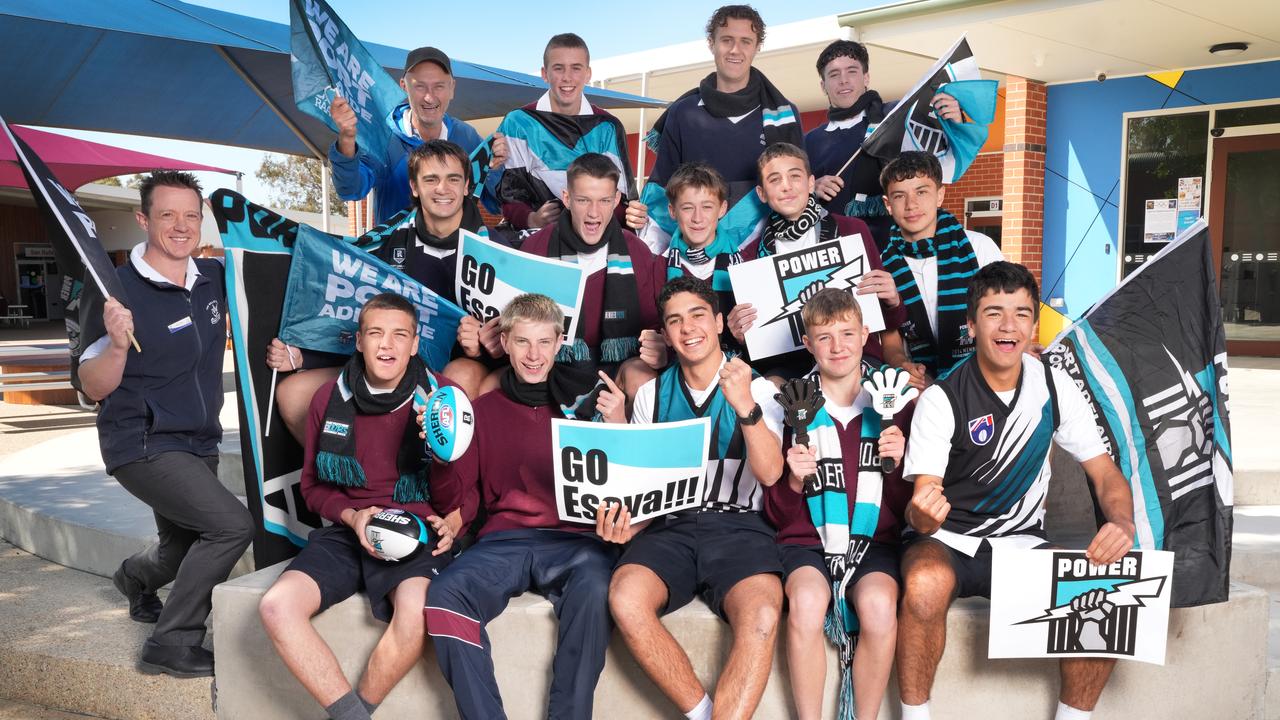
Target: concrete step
1219,646
1255,391
57,501
13,710
67,644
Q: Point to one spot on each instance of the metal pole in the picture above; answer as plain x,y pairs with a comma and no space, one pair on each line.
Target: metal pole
640,153
324,196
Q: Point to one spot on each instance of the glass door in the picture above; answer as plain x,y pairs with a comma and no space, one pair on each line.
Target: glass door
1244,220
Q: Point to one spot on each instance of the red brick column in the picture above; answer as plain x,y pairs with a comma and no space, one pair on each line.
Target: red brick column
355,217
1024,138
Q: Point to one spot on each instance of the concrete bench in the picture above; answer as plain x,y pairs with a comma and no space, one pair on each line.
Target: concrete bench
1215,665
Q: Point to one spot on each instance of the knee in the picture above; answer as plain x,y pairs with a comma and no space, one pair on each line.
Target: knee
241,528
628,600
807,611
761,613
928,589
408,624
878,615
276,611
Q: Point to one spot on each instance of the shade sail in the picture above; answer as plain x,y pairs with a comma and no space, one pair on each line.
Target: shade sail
164,68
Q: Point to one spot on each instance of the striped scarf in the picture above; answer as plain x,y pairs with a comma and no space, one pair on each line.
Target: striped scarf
957,262
844,539
620,327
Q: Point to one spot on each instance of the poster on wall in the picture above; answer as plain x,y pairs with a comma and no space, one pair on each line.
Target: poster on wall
1160,222
1190,195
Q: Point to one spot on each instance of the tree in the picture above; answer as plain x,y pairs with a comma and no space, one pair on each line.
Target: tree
133,181
295,184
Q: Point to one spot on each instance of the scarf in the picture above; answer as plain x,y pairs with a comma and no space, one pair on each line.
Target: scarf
336,457
957,263
620,328
471,221
572,389
845,539
720,251
869,102
780,228
779,117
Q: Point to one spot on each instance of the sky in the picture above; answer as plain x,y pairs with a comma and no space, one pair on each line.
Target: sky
507,35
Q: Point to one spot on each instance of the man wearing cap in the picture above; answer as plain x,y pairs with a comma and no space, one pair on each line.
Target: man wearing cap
428,84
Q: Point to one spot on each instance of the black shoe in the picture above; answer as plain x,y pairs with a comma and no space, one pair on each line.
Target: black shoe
181,661
144,607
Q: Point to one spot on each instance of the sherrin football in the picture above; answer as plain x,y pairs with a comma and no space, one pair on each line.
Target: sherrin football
396,534
449,423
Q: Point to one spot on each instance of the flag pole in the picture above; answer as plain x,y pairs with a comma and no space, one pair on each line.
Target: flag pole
849,162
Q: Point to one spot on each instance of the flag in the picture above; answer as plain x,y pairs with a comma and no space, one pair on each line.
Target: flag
258,247
480,176
327,59
76,249
329,281
913,125
1151,359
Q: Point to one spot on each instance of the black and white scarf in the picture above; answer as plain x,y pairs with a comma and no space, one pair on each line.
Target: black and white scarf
957,263
780,121
620,327
336,457
869,102
780,228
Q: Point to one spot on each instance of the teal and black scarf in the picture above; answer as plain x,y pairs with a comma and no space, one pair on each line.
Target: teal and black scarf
620,327
957,263
336,449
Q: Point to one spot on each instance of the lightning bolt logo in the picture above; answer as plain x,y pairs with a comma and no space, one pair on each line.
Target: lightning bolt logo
844,277
1132,593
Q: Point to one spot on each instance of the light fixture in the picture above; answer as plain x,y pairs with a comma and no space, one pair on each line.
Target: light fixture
1228,49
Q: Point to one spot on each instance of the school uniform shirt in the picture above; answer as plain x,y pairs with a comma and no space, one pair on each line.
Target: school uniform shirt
378,439
925,272
830,146
509,470
991,450
731,485
788,511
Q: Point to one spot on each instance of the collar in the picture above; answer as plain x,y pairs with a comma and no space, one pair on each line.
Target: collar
544,104
732,119
723,360
404,123
150,273
833,125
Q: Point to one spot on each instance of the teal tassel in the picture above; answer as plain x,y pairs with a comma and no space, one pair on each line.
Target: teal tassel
873,206
412,488
615,350
339,469
577,352
652,138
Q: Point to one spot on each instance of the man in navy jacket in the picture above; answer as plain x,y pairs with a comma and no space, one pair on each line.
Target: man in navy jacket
158,425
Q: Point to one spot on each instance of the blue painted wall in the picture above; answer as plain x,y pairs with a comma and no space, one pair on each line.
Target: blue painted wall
1083,157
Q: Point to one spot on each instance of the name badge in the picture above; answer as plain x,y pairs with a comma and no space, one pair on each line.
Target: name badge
176,325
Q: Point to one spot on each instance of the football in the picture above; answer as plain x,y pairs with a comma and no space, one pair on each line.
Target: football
397,534
448,423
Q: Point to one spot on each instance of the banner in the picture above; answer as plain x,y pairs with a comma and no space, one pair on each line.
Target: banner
1055,603
76,249
912,124
259,244
331,279
326,58
1151,359
490,275
651,469
778,286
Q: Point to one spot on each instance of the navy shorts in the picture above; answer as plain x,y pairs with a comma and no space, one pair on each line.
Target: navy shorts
882,558
335,560
973,574
794,557
705,554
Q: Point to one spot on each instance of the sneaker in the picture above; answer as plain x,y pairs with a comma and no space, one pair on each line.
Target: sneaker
144,607
181,661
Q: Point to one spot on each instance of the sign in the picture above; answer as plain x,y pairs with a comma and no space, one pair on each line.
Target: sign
1160,222
490,275
778,286
599,463
1055,603
44,252
330,280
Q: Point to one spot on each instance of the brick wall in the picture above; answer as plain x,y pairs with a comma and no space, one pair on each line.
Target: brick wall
984,178
1024,149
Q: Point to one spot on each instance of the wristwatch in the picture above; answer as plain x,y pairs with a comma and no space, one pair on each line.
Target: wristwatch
752,417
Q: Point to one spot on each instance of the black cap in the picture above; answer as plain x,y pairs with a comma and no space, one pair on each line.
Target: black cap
428,54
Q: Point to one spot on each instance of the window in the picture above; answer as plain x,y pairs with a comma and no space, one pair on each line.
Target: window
1161,150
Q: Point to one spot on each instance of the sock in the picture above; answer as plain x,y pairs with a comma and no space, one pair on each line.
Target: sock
915,712
348,707
1066,712
369,707
701,711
